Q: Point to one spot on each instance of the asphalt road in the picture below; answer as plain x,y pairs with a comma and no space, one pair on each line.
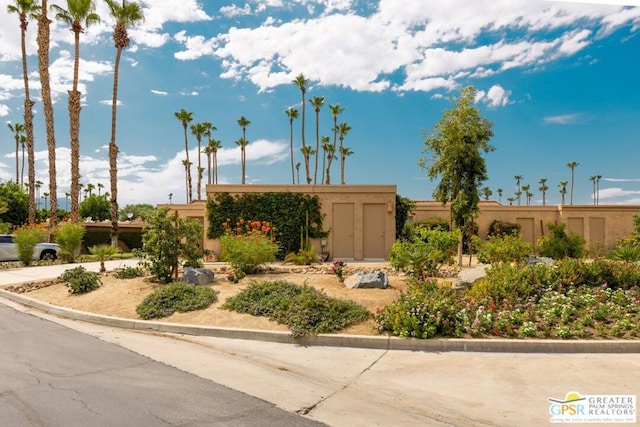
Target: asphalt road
54,376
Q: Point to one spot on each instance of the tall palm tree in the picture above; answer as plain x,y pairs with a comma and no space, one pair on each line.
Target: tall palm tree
543,189
125,14
343,130
23,144
298,171
511,200
215,144
243,122
336,110
593,180
208,151
344,153
187,166
27,9
199,129
301,81
500,191
292,113
185,117
526,189
563,190
317,102
572,166
331,154
90,188
518,178
18,131
325,145
77,14
242,143
99,187
487,193
170,197
598,178
66,197
45,90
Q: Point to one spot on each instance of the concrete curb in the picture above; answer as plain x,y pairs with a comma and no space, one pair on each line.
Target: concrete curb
337,340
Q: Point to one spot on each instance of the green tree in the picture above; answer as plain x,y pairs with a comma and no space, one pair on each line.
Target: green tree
185,117
77,14
69,237
486,193
26,239
343,130
301,81
168,238
27,9
344,153
126,14
336,110
572,166
198,130
243,122
455,149
292,114
17,199
526,189
139,210
518,178
563,190
96,207
317,102
543,189
500,191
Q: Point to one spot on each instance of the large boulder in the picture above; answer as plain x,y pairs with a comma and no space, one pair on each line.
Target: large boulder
468,276
376,279
197,276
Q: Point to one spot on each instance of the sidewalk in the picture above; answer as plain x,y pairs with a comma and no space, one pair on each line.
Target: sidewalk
363,386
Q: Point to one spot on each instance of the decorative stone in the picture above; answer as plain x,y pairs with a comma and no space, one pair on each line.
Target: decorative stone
532,260
197,276
468,276
375,279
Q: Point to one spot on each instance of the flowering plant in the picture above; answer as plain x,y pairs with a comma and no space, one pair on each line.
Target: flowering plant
337,268
248,245
235,276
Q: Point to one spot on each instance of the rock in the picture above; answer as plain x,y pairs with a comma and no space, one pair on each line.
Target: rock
197,276
468,276
532,260
375,279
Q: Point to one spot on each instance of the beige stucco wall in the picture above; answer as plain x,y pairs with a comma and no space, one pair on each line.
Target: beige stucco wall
617,220
329,195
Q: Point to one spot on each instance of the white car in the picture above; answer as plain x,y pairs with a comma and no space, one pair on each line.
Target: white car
42,251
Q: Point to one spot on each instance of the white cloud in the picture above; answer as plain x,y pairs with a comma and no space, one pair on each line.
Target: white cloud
497,96
109,102
563,119
4,110
159,92
233,10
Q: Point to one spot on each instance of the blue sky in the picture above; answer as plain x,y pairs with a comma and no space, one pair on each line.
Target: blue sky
559,80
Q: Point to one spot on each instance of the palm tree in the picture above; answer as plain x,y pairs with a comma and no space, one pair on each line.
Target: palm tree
598,178
511,200
292,113
317,102
298,171
572,166
301,81
518,178
187,166
46,198
593,180
18,130
78,12
343,130
27,9
487,193
214,145
199,129
185,117
518,195
331,153
529,195
23,144
100,187
325,145
543,189
563,190
526,189
90,188
336,110
208,151
344,153
242,143
170,197
38,186
45,90
125,14
500,195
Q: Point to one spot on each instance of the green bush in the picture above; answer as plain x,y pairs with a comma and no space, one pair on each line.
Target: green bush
425,253
248,245
625,252
424,311
128,273
96,237
504,228
434,223
26,238
80,281
69,237
175,297
403,211
304,309
560,245
133,239
503,248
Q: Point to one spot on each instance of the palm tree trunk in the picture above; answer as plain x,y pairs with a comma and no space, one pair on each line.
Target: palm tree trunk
188,165
293,176
43,68
113,154
215,167
22,169
199,167
74,131
315,170
17,158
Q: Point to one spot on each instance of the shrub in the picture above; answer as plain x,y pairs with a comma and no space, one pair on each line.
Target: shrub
177,296
304,309
425,253
425,311
434,223
504,228
103,253
560,245
26,238
80,281
499,248
625,252
248,246
128,273
69,237
403,208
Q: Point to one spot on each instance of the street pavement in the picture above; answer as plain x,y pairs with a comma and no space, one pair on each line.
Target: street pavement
352,386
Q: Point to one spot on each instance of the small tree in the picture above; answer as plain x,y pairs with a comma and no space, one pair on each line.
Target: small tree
69,237
558,244
26,239
103,253
166,239
95,207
